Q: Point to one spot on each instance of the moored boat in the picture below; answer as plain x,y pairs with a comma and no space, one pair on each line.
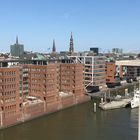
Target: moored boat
136,99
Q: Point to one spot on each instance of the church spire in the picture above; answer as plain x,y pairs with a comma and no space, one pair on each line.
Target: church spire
71,48
71,36
53,48
16,39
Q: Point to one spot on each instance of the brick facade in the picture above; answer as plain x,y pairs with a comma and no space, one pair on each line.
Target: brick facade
9,91
45,82
110,72
72,78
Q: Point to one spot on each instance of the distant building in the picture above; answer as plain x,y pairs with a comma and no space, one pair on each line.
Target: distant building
95,50
117,51
17,49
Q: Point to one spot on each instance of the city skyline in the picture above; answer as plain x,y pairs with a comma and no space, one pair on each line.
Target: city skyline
104,24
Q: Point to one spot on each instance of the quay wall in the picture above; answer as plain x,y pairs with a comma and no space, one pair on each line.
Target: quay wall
30,112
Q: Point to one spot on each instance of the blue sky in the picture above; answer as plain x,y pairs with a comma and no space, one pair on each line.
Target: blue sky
94,23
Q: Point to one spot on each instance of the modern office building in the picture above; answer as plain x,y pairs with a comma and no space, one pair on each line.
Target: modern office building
94,71
17,49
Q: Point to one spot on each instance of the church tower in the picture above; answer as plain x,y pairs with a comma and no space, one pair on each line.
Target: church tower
71,48
17,49
16,40
53,48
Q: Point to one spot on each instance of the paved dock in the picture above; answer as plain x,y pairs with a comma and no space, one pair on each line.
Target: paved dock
102,92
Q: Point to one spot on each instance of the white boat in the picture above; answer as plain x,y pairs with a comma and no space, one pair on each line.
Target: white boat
115,104
136,99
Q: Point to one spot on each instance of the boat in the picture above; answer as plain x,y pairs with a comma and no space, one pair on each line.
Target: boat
136,99
121,103
92,89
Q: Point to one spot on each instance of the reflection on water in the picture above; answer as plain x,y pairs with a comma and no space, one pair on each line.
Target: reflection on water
134,118
134,114
78,123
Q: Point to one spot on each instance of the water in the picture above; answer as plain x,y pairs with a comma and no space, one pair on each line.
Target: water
78,123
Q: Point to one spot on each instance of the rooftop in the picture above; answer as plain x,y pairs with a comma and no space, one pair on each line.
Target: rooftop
128,62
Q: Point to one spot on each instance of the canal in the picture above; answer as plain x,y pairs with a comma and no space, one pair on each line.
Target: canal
78,123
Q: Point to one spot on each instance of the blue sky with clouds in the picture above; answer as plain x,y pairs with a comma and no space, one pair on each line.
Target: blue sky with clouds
94,23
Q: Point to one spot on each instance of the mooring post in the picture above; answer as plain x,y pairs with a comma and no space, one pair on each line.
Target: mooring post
94,107
101,100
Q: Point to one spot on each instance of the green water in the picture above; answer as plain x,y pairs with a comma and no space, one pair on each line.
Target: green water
78,123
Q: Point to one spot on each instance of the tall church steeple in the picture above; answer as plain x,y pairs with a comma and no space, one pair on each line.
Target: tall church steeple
17,49
16,39
71,48
53,48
